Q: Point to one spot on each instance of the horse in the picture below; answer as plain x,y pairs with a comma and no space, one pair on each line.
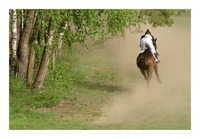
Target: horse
146,63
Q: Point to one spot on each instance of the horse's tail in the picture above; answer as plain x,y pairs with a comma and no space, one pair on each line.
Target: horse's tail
141,63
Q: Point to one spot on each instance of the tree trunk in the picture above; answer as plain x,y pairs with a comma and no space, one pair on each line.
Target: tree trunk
14,34
45,62
33,42
22,20
20,27
31,66
53,59
13,40
23,45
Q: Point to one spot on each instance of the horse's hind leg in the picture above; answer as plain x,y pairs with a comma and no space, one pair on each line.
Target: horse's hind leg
149,75
144,73
157,74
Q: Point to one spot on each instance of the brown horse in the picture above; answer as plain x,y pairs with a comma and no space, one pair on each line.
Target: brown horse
146,63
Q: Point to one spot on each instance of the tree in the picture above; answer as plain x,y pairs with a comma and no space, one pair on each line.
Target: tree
23,52
159,17
33,43
46,30
45,58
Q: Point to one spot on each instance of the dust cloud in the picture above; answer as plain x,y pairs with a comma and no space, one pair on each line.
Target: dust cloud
168,102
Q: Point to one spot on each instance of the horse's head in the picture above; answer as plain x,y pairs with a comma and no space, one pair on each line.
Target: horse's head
148,32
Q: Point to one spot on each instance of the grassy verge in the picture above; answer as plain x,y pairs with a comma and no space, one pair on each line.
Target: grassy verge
71,98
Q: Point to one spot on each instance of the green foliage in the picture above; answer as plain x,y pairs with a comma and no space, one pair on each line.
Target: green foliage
59,77
159,17
99,24
118,20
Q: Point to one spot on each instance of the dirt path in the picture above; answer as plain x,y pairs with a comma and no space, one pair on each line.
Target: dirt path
169,101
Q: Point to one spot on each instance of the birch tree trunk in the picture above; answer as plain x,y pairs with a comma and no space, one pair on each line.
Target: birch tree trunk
23,52
13,40
14,34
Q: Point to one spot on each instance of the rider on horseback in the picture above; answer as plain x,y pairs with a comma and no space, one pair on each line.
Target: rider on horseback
147,40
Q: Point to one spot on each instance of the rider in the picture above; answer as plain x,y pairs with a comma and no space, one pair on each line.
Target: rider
147,41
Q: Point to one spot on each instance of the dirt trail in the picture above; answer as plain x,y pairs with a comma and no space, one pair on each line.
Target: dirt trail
169,101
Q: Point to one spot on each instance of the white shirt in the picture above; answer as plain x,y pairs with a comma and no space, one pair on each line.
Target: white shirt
147,41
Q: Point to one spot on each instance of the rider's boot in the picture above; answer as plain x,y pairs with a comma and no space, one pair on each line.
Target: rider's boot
156,58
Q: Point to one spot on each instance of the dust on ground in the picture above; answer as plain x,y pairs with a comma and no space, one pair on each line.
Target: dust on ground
169,100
